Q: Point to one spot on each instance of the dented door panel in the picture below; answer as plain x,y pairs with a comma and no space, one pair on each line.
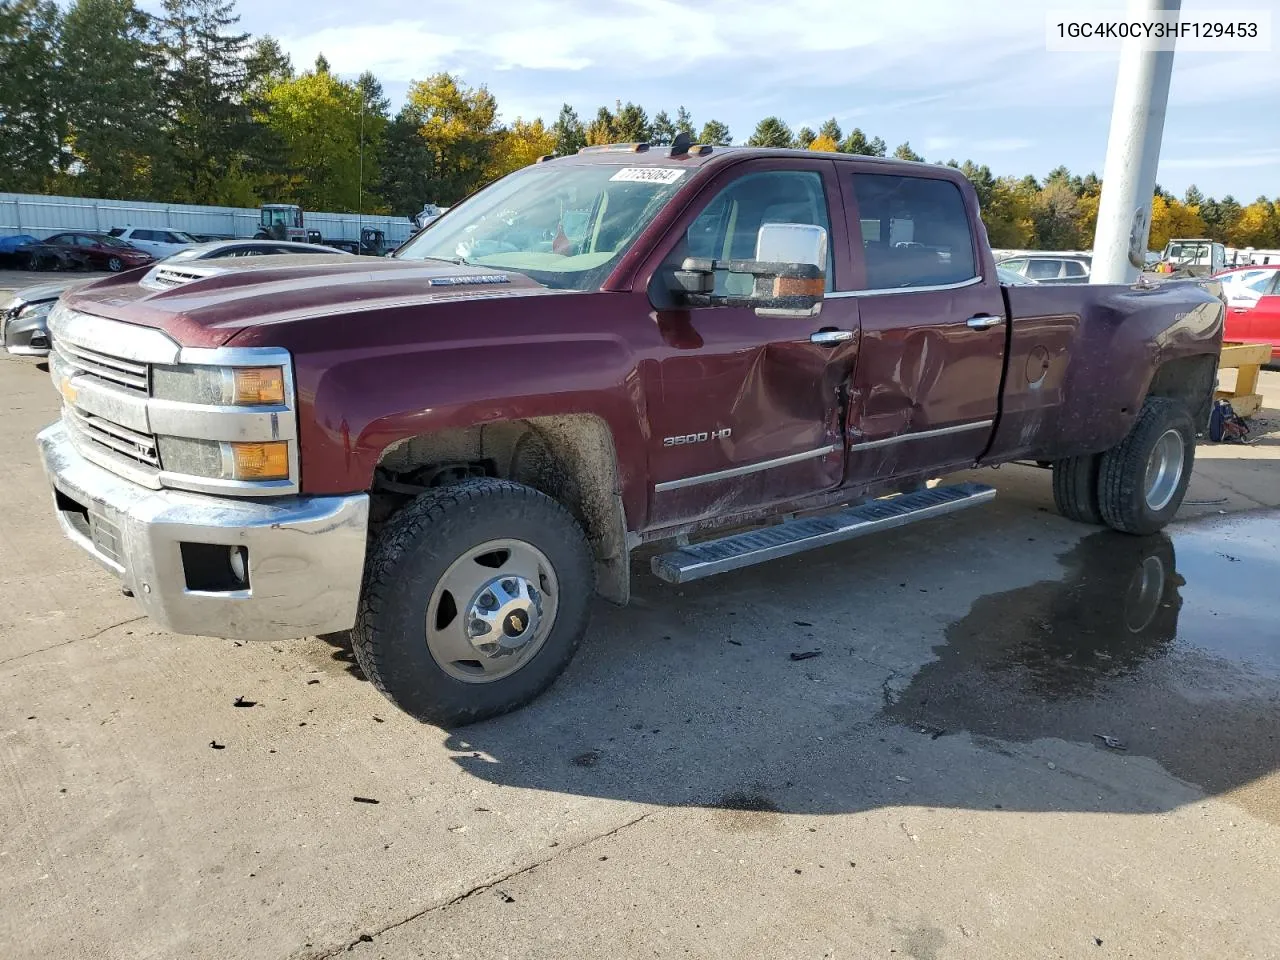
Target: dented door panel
750,416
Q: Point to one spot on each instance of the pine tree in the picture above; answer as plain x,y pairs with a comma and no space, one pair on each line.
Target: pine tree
568,131
406,177
831,130
662,129
857,143
108,87
770,132
904,152
715,133
804,137
31,121
684,122
206,96
632,125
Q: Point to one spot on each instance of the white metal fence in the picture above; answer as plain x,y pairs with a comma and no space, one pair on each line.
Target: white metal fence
41,216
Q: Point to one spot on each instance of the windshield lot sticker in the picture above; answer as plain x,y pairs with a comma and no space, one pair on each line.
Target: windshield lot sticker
463,281
648,175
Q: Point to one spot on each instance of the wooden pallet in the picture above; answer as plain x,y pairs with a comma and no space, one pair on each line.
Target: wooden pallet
1247,359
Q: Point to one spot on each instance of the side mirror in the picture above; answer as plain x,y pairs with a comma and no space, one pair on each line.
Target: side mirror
787,275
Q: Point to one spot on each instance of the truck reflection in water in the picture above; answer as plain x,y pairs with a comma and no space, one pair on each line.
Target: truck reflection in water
1178,666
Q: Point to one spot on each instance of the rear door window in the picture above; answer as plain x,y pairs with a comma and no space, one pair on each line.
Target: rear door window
915,232
1044,269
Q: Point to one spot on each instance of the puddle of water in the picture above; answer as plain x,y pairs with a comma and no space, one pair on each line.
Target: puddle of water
1170,644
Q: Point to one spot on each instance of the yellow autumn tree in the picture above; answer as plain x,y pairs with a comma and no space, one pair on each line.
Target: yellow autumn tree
520,145
1172,218
1087,217
1257,226
823,143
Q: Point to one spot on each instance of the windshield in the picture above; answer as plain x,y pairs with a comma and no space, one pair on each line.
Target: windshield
109,241
183,237
1188,251
564,226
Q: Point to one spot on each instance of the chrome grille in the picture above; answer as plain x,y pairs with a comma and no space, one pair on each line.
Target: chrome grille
135,446
129,374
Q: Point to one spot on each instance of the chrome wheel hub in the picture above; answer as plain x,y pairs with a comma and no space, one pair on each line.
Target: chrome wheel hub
1164,470
492,610
504,616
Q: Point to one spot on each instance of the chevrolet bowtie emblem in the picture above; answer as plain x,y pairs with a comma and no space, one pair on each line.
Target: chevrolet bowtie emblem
69,393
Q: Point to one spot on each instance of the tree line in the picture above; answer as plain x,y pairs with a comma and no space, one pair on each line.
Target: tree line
105,99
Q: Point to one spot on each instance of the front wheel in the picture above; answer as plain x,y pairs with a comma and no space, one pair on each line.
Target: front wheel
476,597
1142,480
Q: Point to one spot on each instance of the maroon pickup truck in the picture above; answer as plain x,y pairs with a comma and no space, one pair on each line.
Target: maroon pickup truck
742,353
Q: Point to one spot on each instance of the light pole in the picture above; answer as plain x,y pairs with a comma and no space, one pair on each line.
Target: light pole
1133,153
360,175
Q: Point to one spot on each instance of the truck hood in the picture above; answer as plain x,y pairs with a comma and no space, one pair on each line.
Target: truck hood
206,304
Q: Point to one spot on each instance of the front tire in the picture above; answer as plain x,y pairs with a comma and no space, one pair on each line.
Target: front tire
1142,480
475,599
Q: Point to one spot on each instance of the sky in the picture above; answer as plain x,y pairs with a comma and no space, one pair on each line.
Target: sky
957,78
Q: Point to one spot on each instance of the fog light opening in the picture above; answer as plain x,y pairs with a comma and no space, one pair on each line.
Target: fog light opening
215,567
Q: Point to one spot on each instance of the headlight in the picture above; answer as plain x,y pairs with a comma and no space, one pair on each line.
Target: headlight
223,460
33,310
219,386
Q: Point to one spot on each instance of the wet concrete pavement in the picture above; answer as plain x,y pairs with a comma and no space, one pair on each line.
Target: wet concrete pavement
1166,647
928,786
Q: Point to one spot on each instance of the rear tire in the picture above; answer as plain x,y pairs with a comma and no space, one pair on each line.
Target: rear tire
1142,480
1075,488
426,634
115,264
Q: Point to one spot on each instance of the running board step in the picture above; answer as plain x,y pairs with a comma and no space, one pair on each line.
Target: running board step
795,536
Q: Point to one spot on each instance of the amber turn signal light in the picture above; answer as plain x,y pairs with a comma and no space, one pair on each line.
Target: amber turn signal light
260,461
798,286
258,385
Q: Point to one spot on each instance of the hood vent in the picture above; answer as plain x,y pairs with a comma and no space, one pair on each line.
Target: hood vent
164,276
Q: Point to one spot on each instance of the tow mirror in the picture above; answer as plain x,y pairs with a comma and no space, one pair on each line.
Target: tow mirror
786,278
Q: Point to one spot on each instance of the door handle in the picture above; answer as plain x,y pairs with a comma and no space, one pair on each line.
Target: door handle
985,321
829,338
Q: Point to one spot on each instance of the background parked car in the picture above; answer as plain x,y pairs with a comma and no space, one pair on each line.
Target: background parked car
1005,275
1051,268
1253,307
158,243
1243,286
10,247
24,327
83,250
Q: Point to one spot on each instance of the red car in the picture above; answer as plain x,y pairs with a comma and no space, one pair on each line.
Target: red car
1253,307
84,249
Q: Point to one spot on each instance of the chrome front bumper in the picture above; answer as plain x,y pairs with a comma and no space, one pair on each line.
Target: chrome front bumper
305,554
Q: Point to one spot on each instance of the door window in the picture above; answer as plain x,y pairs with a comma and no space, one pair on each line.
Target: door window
728,226
1044,269
1073,268
86,242
915,232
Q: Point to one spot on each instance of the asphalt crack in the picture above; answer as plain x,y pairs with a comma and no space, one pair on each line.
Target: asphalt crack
486,885
54,646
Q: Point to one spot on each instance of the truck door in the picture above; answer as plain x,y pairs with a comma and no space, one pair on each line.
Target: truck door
926,392
748,410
